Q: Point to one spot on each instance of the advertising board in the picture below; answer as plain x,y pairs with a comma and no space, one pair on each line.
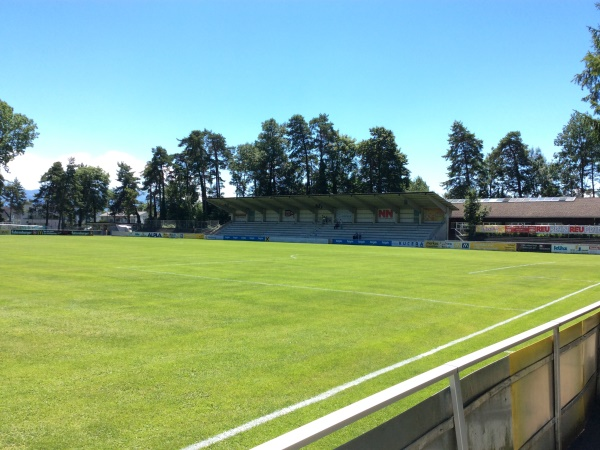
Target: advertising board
149,234
458,245
173,235
531,247
592,229
540,229
500,229
153,234
245,238
559,229
52,232
361,242
561,248
571,248
494,246
594,249
417,244
520,228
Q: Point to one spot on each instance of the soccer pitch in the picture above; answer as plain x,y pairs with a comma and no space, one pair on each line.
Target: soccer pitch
166,343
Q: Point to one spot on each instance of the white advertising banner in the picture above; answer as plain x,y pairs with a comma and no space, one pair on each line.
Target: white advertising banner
571,248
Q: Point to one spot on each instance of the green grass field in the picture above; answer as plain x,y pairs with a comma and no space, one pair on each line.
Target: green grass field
162,343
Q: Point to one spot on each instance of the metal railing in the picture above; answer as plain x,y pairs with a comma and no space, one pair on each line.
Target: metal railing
336,420
459,234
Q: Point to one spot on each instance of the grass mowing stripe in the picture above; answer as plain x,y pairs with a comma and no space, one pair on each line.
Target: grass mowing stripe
509,267
209,263
274,415
314,288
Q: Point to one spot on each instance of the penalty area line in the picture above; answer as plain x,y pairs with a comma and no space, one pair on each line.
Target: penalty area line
330,393
510,267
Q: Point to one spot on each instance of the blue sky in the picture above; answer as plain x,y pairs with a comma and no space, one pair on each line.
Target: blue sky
108,80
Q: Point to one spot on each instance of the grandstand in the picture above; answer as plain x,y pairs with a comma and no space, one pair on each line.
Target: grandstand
409,216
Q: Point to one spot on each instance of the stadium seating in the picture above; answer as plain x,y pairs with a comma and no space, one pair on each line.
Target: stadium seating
377,231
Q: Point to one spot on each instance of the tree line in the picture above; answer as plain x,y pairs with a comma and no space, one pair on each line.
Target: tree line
295,157
513,169
291,158
309,157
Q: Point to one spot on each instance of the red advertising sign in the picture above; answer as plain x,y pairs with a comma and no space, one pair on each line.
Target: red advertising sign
385,214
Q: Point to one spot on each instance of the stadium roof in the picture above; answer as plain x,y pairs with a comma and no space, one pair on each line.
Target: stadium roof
536,208
415,200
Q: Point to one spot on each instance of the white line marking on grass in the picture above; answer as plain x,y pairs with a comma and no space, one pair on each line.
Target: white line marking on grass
274,415
313,288
510,267
562,279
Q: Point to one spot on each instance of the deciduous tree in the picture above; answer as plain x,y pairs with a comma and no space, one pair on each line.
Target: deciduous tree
474,212
17,132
